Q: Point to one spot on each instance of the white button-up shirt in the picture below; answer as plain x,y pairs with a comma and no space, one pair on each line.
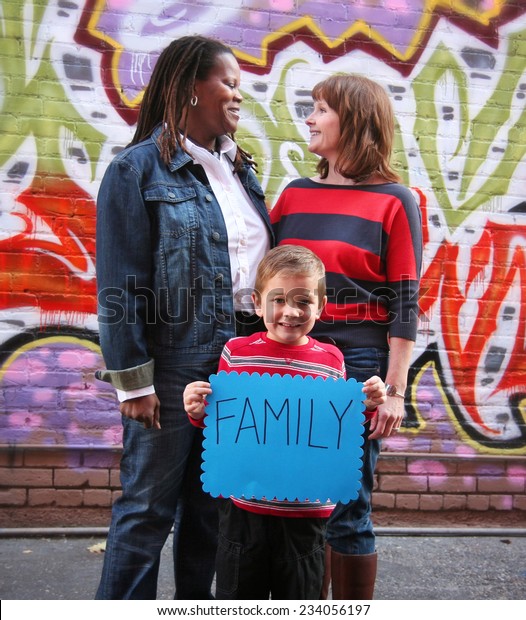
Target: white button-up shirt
248,241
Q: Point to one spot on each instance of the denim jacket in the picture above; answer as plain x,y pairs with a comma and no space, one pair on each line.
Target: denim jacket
163,269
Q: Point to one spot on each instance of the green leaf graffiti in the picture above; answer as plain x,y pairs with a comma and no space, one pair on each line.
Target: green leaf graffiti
492,134
279,149
34,103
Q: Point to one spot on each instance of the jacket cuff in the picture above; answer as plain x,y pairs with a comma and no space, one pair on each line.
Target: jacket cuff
129,378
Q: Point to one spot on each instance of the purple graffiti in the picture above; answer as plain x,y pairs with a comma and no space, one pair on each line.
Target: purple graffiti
140,28
52,398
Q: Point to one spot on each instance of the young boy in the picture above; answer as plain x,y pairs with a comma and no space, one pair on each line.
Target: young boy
270,548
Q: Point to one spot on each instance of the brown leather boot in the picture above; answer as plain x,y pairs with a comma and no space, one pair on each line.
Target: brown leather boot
353,576
327,575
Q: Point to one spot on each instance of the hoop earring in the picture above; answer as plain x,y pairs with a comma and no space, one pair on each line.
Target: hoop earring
193,101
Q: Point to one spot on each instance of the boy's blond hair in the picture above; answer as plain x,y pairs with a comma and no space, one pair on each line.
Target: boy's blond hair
290,260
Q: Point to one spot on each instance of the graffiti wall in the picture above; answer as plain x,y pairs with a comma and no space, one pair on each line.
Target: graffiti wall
73,73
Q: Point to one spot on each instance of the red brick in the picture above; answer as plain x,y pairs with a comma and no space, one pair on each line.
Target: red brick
452,484
478,502
516,469
501,485
407,502
519,502
42,497
482,468
11,457
24,477
69,498
102,459
403,483
397,465
383,500
430,467
501,502
455,502
431,502
81,478
13,497
115,480
97,497
52,458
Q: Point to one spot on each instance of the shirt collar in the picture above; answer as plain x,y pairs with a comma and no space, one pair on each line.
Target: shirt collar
226,147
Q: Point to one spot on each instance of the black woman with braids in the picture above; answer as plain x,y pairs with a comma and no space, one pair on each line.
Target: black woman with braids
181,227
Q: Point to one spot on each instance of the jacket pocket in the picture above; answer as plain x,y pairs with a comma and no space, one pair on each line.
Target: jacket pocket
174,208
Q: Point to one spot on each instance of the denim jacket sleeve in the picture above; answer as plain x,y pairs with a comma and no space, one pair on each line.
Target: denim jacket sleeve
163,272
123,266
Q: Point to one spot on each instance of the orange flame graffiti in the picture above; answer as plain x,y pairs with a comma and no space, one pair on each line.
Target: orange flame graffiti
498,260
50,264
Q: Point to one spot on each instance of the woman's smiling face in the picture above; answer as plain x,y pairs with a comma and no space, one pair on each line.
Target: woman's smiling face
324,128
218,102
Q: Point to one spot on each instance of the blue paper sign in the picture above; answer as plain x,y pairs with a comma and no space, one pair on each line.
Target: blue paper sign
280,437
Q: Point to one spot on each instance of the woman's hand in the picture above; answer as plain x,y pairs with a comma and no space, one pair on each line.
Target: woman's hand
388,419
194,399
390,415
145,409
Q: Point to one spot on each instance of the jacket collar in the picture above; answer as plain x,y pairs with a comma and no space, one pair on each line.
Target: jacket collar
179,158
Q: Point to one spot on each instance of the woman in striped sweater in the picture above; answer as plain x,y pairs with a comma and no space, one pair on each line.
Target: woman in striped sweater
366,227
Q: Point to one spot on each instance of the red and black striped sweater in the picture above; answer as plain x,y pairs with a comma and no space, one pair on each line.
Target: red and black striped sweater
370,239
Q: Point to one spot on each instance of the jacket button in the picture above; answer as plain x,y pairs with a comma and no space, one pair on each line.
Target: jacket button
216,236
171,195
208,197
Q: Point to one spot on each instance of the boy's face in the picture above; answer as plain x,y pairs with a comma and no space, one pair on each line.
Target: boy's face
289,306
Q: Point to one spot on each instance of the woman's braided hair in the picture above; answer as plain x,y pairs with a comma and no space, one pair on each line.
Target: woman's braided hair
168,94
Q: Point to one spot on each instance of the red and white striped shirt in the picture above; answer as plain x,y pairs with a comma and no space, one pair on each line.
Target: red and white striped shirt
259,354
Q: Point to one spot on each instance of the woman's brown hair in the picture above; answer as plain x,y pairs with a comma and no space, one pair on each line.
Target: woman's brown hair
168,94
366,126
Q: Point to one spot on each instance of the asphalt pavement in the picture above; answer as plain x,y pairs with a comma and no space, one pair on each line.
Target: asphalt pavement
411,567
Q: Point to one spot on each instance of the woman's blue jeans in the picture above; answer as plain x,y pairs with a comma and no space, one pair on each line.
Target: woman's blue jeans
349,528
160,474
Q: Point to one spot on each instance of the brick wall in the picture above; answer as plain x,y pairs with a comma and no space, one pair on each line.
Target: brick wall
77,486
449,483
456,80
57,479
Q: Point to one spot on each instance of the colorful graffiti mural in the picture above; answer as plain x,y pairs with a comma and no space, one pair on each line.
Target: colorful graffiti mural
72,78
